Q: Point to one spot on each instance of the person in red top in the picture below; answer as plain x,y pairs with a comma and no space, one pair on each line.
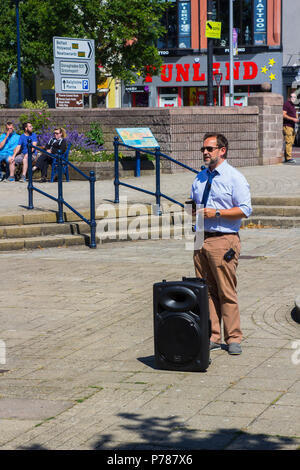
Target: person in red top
289,120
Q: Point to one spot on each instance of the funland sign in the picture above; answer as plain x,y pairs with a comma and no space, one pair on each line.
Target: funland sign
191,71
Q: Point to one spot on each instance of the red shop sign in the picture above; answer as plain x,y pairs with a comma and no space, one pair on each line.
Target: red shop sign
247,70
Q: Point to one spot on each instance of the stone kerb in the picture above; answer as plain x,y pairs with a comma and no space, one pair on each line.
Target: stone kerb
270,126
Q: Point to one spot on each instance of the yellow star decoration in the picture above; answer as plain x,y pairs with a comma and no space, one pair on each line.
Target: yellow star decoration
272,62
272,76
264,69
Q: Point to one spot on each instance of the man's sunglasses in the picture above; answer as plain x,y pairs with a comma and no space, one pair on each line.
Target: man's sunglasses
209,149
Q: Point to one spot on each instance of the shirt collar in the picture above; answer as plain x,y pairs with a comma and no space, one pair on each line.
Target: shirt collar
220,168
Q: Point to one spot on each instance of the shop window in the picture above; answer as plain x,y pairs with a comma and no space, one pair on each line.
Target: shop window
249,20
177,22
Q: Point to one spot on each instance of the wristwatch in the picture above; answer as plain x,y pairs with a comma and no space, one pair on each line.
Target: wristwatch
218,213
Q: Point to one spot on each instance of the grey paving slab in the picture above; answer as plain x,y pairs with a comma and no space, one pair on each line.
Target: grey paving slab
78,330
24,408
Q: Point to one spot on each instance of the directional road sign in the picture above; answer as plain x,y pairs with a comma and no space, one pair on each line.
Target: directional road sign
68,100
74,65
68,48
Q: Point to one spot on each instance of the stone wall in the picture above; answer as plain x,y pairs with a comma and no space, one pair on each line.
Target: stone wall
179,131
270,124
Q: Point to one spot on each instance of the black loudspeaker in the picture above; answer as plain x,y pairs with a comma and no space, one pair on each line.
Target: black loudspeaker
181,325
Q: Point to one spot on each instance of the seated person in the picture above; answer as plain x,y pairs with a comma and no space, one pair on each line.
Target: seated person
20,154
8,142
57,142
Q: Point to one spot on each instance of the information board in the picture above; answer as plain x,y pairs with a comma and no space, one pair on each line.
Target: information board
140,137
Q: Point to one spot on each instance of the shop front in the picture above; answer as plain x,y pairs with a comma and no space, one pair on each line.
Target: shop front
183,81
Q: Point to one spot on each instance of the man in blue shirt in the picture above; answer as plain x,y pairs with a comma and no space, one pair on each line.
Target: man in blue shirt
224,196
20,154
8,142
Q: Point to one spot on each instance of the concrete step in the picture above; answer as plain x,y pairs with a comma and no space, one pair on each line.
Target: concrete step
272,222
39,230
42,242
281,211
275,201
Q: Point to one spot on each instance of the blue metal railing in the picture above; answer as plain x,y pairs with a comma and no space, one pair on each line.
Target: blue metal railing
157,153
60,200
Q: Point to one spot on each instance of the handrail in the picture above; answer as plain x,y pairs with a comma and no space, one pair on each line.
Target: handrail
60,200
158,194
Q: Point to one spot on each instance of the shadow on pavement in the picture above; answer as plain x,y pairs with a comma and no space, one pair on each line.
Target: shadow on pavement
155,433
160,434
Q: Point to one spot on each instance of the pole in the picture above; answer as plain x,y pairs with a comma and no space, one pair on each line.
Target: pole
210,49
93,243
137,163
60,198
157,181
19,52
231,87
30,185
116,181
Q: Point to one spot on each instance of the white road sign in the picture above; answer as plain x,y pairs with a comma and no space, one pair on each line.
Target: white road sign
74,65
75,84
74,68
67,48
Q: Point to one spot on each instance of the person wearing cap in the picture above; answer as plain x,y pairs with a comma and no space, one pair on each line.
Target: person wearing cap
222,194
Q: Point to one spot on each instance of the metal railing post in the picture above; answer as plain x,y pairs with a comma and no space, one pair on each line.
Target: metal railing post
30,185
137,163
60,198
93,243
116,181
157,178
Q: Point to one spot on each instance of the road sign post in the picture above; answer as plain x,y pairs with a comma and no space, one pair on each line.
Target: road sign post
74,65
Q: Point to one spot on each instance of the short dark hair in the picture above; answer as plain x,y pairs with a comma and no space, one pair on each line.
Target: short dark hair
25,125
221,140
9,123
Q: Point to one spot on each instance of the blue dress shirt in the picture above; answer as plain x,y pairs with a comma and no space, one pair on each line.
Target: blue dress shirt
229,189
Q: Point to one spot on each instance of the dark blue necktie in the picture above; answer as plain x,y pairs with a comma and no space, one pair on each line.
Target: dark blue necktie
211,175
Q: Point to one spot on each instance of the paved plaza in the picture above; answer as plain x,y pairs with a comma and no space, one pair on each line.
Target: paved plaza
77,364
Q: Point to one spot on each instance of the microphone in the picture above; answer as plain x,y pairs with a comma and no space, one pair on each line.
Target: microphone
203,167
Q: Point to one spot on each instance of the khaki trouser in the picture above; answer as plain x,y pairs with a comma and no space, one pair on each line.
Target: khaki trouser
289,137
220,276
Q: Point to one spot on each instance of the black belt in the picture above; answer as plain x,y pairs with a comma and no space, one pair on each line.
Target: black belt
218,234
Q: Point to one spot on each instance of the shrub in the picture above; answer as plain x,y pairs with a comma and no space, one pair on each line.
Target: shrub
40,104
95,134
40,120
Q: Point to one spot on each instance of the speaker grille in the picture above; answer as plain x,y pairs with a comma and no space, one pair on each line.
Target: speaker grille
178,338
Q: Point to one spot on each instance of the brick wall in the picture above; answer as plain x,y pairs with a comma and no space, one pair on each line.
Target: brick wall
254,132
270,124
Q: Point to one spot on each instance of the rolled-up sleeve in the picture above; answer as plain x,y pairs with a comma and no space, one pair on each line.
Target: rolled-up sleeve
241,196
